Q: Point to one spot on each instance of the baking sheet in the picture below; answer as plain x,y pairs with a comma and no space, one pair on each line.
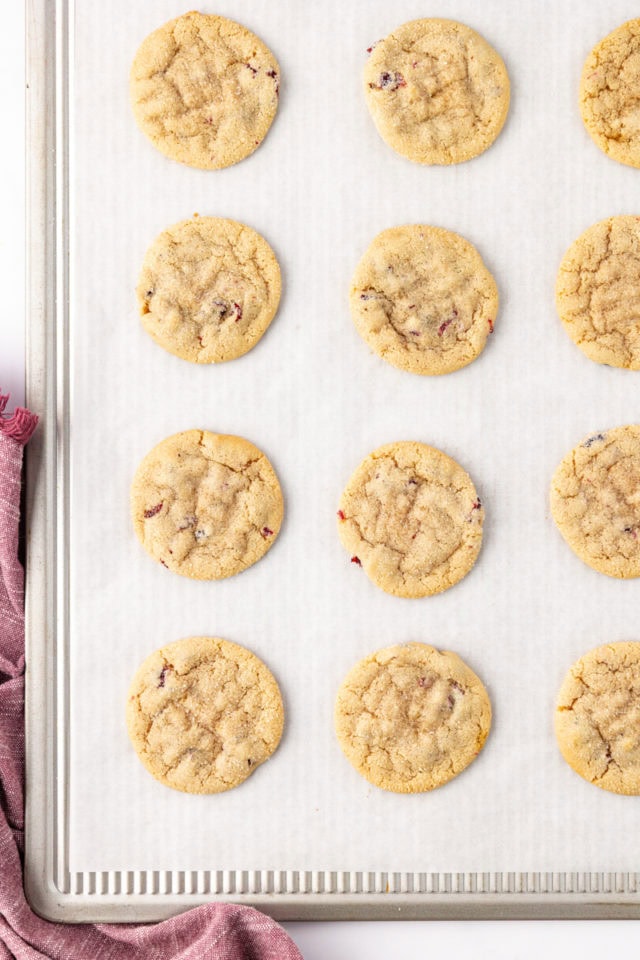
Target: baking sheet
315,399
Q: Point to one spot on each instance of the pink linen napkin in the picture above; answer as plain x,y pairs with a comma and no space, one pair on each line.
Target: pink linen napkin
210,932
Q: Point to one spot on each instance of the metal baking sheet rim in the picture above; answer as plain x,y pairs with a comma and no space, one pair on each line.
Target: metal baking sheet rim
52,890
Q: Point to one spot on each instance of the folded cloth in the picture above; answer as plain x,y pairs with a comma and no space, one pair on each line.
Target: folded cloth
209,932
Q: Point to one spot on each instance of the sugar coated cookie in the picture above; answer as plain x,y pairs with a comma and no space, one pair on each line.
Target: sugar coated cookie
411,518
437,92
422,298
204,90
598,292
610,94
595,501
203,713
206,505
597,717
208,289
410,717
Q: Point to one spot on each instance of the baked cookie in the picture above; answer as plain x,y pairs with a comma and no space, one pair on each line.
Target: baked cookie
423,300
595,501
437,92
206,505
410,717
203,713
411,518
597,717
610,94
598,292
204,90
208,289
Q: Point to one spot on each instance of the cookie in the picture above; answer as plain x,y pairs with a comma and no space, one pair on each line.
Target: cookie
610,94
409,718
598,292
208,289
595,501
411,518
597,717
203,714
204,90
206,505
437,91
423,300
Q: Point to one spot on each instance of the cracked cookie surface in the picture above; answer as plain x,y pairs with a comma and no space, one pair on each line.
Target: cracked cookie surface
204,90
203,713
423,300
595,501
437,91
411,518
410,717
208,289
206,505
597,718
610,94
598,292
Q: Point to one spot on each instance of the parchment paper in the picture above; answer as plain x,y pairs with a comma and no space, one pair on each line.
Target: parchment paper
316,400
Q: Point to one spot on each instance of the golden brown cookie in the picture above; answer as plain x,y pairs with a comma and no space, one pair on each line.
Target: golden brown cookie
204,90
208,289
411,518
437,91
610,94
203,713
597,717
422,298
206,505
598,292
410,717
595,501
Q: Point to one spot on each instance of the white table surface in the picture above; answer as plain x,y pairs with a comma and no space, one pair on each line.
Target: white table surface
511,940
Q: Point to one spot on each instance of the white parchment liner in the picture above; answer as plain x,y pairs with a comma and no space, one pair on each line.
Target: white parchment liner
316,400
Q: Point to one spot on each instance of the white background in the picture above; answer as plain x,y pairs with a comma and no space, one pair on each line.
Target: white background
352,940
